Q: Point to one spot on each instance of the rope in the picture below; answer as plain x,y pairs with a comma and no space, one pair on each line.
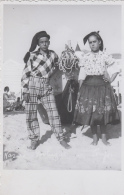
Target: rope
69,105
68,60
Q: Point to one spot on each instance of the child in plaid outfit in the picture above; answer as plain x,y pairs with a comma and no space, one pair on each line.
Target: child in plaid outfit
35,82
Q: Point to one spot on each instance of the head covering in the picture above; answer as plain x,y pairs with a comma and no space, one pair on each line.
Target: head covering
95,34
34,43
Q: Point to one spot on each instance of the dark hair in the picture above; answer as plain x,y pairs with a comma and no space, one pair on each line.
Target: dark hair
96,34
6,88
34,43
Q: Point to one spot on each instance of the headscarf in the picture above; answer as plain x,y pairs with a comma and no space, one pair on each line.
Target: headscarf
34,43
95,34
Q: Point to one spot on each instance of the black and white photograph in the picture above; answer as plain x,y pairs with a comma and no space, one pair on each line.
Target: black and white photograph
62,87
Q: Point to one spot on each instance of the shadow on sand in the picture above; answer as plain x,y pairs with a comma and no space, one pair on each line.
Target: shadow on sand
45,137
67,134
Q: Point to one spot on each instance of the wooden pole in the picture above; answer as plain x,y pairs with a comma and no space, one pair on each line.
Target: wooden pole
118,92
21,94
69,44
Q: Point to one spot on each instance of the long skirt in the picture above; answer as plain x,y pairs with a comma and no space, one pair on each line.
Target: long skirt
96,104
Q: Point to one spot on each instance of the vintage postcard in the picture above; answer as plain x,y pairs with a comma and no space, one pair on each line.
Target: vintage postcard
61,97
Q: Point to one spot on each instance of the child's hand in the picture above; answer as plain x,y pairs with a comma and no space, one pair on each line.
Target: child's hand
70,77
34,73
77,104
106,77
78,95
26,97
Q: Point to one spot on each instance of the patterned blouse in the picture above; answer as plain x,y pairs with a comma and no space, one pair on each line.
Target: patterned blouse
94,64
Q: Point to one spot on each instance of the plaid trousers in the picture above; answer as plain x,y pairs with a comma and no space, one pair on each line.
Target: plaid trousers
39,88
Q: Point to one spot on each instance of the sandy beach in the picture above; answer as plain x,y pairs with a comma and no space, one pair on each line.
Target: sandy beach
50,155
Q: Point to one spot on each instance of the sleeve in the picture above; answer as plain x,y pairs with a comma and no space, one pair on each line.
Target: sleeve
82,73
26,75
109,60
81,62
56,60
55,64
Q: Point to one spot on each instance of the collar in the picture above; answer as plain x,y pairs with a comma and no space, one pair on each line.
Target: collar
97,53
42,52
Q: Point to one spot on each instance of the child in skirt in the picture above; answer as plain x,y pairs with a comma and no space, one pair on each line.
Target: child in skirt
39,67
96,104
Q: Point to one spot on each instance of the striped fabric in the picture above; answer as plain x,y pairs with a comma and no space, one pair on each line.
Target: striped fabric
39,64
39,88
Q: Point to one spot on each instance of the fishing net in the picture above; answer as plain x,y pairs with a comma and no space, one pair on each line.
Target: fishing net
68,61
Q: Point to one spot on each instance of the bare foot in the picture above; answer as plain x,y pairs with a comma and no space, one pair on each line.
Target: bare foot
34,145
94,143
104,140
95,140
64,144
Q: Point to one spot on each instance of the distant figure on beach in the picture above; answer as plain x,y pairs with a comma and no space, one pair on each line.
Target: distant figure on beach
5,94
7,106
18,105
96,104
39,67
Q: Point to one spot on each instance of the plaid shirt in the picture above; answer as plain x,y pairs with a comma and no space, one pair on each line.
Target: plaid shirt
39,64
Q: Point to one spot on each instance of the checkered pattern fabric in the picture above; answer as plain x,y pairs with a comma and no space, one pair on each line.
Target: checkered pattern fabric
39,64
39,88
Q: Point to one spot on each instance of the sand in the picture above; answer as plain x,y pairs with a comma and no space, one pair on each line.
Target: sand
50,155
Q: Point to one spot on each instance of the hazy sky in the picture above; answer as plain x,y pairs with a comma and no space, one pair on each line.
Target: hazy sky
63,23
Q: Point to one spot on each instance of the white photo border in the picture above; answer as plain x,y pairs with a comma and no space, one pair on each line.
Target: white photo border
18,182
